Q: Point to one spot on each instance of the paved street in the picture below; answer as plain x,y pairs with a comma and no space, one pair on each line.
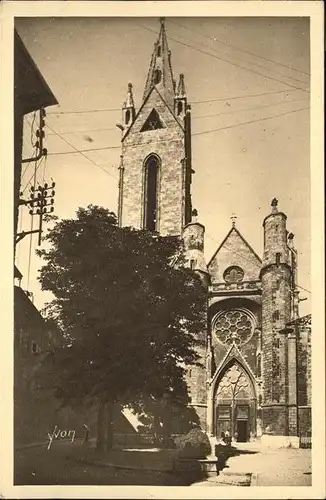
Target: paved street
273,467
67,464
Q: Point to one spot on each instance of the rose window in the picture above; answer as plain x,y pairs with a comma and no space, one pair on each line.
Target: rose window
233,326
233,274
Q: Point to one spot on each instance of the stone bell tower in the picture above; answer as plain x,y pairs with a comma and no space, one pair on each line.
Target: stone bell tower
155,168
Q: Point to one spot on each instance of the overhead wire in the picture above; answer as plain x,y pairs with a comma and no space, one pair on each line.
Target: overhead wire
249,122
37,167
172,140
217,99
31,235
82,152
215,39
248,109
229,62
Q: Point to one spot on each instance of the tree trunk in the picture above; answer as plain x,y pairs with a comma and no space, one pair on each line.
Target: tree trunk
100,441
109,425
105,426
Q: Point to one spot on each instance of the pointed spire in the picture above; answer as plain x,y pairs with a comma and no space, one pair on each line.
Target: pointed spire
160,69
130,99
181,92
128,109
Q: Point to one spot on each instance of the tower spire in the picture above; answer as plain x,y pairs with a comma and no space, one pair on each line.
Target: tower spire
160,69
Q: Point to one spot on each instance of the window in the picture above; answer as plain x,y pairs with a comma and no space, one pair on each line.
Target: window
192,264
179,108
233,274
235,325
151,185
34,347
276,315
259,365
278,258
153,122
157,76
127,117
159,51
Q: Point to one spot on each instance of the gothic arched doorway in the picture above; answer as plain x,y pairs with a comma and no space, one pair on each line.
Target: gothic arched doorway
235,403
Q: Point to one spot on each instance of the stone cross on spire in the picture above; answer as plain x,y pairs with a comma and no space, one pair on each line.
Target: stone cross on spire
233,218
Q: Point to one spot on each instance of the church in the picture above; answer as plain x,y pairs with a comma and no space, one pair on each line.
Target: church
255,374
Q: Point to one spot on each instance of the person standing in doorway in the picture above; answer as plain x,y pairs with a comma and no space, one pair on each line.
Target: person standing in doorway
227,437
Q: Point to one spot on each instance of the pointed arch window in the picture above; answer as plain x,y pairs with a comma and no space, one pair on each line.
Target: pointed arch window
157,76
127,116
152,166
179,107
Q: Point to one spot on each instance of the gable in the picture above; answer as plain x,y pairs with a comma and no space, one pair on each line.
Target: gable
153,122
234,260
154,105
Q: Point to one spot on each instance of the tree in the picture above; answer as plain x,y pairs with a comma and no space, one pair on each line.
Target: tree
129,317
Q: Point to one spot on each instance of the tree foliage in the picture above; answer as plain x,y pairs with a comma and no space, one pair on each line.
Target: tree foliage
129,317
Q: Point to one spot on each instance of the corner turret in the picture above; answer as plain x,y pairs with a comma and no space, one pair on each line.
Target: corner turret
193,238
128,110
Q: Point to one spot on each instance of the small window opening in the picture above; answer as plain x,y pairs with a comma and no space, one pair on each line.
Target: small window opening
278,258
179,108
152,167
127,117
34,347
276,315
159,51
192,264
157,76
153,122
259,365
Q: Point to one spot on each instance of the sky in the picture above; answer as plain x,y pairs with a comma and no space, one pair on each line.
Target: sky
247,81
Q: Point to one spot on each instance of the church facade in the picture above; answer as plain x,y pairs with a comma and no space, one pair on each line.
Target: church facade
254,379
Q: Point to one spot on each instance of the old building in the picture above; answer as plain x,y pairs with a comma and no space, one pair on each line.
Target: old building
255,374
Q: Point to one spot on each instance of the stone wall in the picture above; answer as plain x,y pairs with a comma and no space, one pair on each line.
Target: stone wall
168,144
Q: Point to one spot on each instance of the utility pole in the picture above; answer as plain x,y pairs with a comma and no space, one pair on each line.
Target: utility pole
41,202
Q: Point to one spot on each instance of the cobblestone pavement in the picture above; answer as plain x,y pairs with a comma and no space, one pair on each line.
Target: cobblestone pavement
273,467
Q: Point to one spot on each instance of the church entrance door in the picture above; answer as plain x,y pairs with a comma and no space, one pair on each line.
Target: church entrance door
234,403
242,430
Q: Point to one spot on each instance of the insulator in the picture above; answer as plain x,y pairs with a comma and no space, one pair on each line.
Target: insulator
52,209
31,195
38,211
52,201
45,193
42,123
44,210
38,203
42,112
44,152
53,193
53,184
46,185
39,195
32,188
31,212
37,144
21,193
